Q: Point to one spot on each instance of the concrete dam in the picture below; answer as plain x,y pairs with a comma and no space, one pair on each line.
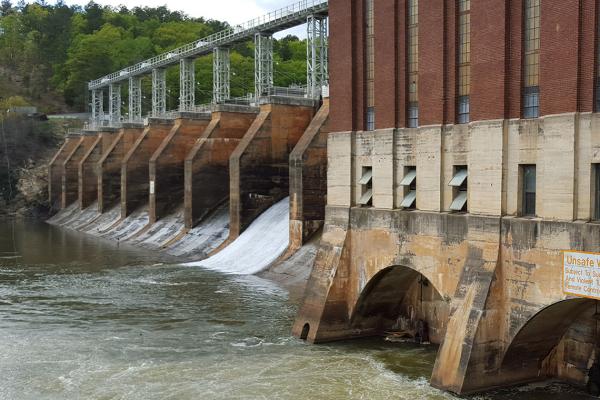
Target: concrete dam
445,195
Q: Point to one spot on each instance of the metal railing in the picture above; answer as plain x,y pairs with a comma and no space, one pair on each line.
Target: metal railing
286,17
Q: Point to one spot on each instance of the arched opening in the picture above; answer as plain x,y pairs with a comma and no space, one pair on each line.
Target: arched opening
305,330
560,342
401,302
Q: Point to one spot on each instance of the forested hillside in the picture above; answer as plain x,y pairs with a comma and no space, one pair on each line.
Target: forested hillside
49,52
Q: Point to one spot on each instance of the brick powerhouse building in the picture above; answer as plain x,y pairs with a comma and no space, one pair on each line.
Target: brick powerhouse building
464,159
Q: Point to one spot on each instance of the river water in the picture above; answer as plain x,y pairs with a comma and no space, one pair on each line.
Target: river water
84,319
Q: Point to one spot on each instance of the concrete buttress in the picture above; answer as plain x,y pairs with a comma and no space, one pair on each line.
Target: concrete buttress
259,166
108,168
70,167
55,171
135,175
167,165
207,163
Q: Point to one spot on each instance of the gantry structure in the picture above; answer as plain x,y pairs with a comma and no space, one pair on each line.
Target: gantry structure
313,13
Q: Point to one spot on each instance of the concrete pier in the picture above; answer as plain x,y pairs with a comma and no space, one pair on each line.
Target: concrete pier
55,171
88,173
259,166
308,180
70,168
166,165
109,165
207,164
135,175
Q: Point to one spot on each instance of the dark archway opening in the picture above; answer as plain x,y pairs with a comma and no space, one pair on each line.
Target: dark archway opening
401,303
305,330
559,342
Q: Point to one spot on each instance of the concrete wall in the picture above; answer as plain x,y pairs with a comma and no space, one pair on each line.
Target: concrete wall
308,180
135,172
70,169
563,148
167,164
504,318
108,168
259,166
88,173
55,171
207,163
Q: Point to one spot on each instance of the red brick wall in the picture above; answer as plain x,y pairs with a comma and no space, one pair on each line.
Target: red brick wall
488,59
401,67
559,56
431,62
587,54
386,73
567,60
341,71
514,67
450,59
358,36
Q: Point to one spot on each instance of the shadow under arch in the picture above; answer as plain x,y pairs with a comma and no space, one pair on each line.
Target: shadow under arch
396,292
539,335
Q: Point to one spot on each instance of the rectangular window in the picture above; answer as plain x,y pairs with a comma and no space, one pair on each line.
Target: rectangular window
412,59
370,119
528,178
531,59
597,109
596,170
410,188
366,184
464,60
459,185
370,64
413,115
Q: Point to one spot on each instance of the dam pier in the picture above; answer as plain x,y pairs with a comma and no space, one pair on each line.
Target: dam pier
445,156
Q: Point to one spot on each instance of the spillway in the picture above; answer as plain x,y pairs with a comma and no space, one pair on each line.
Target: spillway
257,247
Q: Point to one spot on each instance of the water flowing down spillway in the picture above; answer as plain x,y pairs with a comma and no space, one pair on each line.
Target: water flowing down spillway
257,247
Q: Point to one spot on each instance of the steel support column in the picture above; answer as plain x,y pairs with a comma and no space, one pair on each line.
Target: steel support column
97,106
114,112
263,64
317,74
159,92
221,75
135,99
187,85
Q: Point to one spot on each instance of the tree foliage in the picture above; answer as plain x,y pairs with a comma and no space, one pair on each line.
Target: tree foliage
58,48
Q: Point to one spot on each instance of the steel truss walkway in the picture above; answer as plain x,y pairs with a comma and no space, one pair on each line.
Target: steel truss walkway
284,18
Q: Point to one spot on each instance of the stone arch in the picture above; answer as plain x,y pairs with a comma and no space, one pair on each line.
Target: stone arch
394,297
526,358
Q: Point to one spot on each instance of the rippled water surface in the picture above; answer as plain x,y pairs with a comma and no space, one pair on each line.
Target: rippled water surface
83,319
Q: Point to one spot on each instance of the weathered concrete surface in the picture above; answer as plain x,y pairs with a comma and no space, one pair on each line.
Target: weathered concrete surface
493,298
167,165
207,164
55,171
488,284
88,173
70,169
308,180
259,166
108,168
135,171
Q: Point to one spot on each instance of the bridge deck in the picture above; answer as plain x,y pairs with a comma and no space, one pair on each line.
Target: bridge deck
275,21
